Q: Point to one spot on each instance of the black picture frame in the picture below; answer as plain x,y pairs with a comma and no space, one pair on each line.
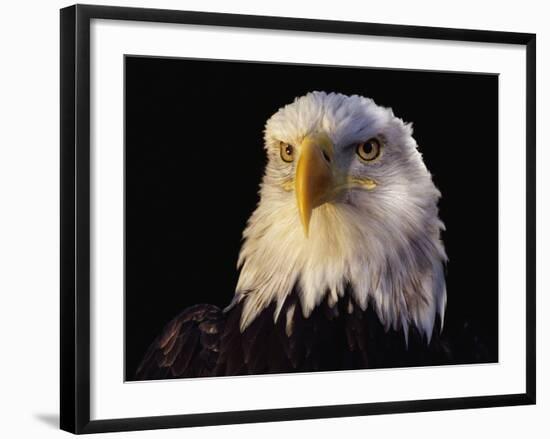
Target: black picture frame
75,217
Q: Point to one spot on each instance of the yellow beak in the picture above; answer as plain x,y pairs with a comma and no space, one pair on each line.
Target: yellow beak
314,176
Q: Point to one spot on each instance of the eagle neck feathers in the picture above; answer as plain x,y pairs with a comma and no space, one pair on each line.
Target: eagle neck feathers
393,264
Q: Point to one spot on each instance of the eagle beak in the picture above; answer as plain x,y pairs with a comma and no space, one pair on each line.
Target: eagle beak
314,176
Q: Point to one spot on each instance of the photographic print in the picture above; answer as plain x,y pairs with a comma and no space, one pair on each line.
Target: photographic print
252,204
284,218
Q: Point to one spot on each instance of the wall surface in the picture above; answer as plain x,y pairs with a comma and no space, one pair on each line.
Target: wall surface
29,249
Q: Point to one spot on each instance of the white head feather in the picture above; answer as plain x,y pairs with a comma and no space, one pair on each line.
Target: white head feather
383,243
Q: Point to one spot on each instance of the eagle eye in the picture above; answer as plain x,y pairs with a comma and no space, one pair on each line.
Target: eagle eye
369,150
287,152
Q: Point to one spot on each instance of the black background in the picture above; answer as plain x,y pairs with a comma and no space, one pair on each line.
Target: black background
194,159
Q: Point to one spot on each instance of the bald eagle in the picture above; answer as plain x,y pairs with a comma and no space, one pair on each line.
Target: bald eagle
341,264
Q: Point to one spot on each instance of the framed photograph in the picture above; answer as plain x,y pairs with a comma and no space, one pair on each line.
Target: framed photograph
268,218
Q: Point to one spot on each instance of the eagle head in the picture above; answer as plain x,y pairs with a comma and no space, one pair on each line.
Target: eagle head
347,211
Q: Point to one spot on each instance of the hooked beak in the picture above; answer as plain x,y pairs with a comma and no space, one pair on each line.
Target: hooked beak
314,176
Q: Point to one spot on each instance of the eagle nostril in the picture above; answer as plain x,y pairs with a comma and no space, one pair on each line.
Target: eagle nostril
326,156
